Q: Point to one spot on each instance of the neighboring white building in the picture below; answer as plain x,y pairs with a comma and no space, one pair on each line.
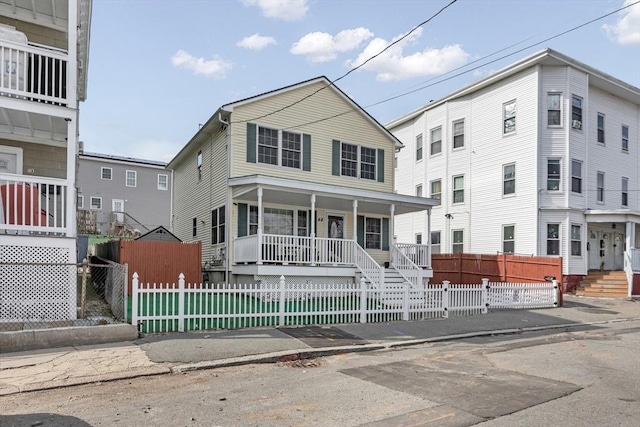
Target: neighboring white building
44,49
539,158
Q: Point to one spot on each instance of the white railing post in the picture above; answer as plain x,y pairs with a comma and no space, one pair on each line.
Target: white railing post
181,303
281,306
363,300
557,294
445,298
134,300
485,295
405,301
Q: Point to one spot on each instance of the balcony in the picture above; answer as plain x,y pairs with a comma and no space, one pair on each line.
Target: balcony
33,206
33,73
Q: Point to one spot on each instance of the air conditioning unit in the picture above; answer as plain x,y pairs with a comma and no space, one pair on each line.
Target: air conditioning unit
576,124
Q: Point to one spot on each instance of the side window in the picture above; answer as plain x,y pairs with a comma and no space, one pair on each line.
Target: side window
419,147
554,112
509,117
436,140
458,134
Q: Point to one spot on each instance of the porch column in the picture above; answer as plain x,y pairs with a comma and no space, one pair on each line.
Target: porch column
71,191
630,238
312,229
392,242
259,226
428,260
355,231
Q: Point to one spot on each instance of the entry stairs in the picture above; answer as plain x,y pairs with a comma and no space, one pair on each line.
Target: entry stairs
393,289
604,284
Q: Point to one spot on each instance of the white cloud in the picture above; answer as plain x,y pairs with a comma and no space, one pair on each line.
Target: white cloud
323,47
627,30
256,42
394,64
287,10
216,68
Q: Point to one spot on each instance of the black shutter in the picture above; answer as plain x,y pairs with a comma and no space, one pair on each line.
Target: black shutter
385,234
306,152
335,157
380,162
251,142
360,231
242,219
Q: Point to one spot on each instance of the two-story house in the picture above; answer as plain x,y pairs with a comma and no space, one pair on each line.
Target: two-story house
122,196
296,182
44,48
541,157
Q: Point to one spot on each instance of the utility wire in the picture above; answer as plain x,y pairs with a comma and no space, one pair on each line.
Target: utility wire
469,70
331,82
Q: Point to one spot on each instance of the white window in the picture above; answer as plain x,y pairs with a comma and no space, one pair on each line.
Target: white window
419,147
576,112
96,203
253,220
194,227
80,202
554,112
508,238
360,163
553,239
458,189
131,178
600,187
271,142
163,181
553,174
625,191
601,128
576,176
509,117
436,140
458,241
625,138
106,173
436,189
199,165
418,238
303,223
509,179
218,219
576,240
435,242
373,233
419,190
458,134
278,221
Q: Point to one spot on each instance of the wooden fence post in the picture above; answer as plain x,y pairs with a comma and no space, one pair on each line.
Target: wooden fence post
405,302
181,303
134,300
485,295
363,300
445,298
281,306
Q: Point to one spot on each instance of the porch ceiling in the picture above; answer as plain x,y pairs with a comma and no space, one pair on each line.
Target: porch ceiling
52,13
595,216
328,197
33,127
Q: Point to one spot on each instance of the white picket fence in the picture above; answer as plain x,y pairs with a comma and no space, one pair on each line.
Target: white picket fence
182,307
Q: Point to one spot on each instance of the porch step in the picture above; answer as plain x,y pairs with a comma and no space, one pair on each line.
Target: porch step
608,284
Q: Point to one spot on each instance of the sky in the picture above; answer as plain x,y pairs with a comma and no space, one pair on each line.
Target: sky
158,69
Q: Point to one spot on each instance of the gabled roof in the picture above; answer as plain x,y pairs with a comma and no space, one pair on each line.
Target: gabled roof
226,109
160,230
544,57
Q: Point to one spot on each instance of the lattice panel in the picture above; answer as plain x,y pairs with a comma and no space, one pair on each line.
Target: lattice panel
36,284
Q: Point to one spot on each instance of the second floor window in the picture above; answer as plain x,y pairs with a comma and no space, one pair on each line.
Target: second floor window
553,174
365,157
600,187
279,147
576,176
625,192
163,181
509,179
349,160
106,173
458,134
419,147
436,189
601,128
625,138
218,219
267,146
509,117
435,242
131,179
576,112
199,165
367,163
553,109
458,189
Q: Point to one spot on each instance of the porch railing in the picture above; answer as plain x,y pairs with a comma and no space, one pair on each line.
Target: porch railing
405,266
372,271
33,73
32,205
634,257
293,250
418,254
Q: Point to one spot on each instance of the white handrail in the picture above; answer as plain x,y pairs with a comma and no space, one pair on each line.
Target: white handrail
407,268
419,254
371,270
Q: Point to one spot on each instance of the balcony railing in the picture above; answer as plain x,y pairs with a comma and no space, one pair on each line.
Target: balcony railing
32,205
33,73
419,254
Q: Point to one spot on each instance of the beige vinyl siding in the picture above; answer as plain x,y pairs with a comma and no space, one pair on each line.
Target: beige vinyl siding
352,128
38,34
41,160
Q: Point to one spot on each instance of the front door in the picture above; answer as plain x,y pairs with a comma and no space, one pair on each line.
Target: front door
618,251
117,206
10,159
593,249
336,249
335,226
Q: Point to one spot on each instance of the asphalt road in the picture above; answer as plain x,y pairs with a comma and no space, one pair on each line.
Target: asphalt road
588,377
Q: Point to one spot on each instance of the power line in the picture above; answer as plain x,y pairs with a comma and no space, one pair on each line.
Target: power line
331,82
466,65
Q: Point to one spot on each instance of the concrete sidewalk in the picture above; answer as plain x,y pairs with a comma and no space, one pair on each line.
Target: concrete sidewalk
166,353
